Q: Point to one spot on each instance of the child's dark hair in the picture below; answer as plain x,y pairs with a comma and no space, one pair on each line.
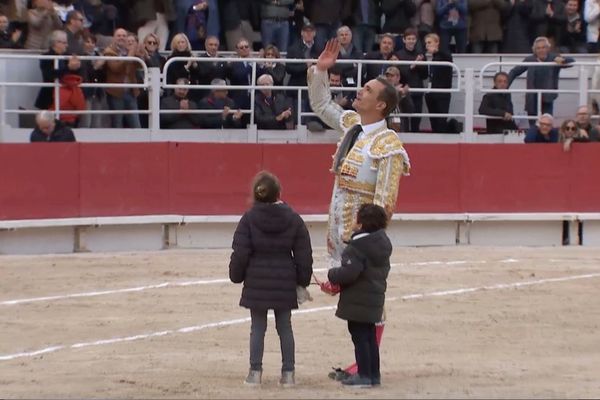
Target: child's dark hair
266,187
371,217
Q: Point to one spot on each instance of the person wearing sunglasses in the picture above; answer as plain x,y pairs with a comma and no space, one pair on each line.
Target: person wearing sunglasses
543,131
571,132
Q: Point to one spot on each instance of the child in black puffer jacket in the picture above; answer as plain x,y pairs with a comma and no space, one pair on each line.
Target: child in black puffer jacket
362,277
271,256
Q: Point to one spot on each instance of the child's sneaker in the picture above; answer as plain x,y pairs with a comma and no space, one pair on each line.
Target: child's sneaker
254,378
288,379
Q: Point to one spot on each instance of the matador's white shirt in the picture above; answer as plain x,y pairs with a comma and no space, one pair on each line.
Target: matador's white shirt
367,171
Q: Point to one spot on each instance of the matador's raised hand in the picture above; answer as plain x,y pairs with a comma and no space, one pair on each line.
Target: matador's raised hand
329,55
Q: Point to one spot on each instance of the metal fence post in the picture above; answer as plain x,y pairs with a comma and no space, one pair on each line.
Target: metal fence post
583,85
57,91
2,112
468,134
154,100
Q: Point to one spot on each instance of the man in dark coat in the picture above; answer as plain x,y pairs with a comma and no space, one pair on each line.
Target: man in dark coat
49,129
542,77
218,100
498,105
179,101
440,77
272,110
413,75
385,52
362,278
543,131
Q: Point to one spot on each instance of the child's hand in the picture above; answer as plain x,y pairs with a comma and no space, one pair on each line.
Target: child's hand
330,288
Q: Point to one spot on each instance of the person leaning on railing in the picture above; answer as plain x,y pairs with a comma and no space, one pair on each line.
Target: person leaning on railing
543,131
570,132
498,105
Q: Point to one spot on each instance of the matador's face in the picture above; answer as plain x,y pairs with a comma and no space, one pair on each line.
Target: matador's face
367,97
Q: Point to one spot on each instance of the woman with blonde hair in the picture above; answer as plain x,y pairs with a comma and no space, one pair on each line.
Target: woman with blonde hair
569,132
181,47
275,69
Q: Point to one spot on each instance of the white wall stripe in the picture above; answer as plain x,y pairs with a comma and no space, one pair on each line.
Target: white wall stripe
301,311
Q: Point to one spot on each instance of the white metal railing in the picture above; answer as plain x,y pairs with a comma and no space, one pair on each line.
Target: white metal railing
155,82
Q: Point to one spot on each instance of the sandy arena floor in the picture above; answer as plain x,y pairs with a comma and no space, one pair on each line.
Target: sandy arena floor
462,322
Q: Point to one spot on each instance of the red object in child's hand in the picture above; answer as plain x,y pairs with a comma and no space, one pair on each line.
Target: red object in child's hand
330,288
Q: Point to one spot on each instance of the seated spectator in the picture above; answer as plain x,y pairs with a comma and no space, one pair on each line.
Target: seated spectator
347,52
41,21
342,97
58,46
179,101
584,123
498,105
207,71
543,131
272,111
275,69
218,100
9,38
405,103
48,129
385,52
570,132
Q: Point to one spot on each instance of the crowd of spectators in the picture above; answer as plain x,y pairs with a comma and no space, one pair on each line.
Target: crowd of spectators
408,30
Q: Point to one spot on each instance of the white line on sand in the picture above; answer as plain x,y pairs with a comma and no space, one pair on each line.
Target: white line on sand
302,311
205,282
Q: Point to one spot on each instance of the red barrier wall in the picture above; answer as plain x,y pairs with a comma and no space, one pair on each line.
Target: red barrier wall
99,179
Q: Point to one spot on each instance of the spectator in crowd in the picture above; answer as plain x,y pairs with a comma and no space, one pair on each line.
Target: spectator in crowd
452,15
196,25
543,77
179,101
303,49
218,100
296,21
547,19
424,18
275,69
58,47
48,129
41,21
486,24
397,15
274,25
405,103
207,71
63,8
498,105
95,98
327,16
569,132
385,52
413,75
272,110
9,38
543,131
440,77
239,17
240,73
591,14
584,123
153,17
183,8
516,27
573,37
180,47
105,17
366,16
347,52
123,72
150,53
341,97
74,29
